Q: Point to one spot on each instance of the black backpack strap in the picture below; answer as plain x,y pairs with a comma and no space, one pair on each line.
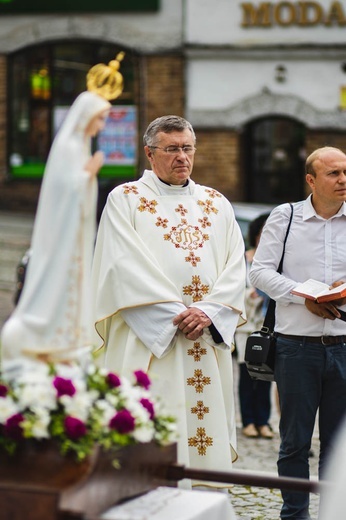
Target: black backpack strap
269,320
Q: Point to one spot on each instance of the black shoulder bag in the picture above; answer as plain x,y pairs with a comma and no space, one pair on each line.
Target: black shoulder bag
260,345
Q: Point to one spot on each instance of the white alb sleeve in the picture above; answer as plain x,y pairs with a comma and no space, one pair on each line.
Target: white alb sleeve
224,319
153,324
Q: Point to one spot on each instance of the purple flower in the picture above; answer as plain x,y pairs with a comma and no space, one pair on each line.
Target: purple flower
3,390
113,380
148,405
12,427
123,422
64,386
74,428
142,379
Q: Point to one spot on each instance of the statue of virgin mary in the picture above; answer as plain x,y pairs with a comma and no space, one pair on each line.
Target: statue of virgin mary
52,321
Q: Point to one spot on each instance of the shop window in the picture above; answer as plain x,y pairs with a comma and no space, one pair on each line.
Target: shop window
43,83
274,157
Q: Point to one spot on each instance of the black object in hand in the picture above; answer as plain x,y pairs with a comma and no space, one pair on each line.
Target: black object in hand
343,315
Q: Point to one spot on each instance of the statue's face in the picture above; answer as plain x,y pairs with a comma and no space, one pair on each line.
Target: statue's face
97,123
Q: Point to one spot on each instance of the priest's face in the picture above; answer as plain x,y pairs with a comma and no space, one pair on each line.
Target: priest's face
172,156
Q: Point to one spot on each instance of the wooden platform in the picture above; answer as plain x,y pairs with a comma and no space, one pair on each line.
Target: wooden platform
39,484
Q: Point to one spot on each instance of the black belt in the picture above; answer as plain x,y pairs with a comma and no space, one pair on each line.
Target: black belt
321,340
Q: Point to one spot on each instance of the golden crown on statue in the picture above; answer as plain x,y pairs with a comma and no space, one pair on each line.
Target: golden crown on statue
106,80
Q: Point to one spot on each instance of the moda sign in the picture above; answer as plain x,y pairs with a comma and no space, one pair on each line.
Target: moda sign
304,14
76,6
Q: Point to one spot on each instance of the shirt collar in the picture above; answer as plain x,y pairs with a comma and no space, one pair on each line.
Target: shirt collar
309,210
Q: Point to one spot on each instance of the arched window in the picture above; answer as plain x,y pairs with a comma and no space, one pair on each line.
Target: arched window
44,80
274,157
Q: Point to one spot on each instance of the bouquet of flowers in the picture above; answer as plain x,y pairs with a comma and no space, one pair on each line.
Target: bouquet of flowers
78,408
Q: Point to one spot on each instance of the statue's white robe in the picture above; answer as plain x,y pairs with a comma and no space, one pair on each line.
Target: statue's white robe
159,250
53,317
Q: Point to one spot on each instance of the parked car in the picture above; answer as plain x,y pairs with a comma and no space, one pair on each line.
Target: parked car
245,212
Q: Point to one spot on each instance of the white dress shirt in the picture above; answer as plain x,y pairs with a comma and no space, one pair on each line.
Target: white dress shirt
315,248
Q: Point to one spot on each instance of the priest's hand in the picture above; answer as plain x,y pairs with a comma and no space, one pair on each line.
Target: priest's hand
192,322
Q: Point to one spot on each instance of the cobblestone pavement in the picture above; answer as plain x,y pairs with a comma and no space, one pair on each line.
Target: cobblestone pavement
254,455
260,455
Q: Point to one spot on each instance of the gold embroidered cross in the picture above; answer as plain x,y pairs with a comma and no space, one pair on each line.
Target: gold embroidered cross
196,289
180,209
193,259
200,410
161,222
130,189
147,205
213,193
204,222
197,351
201,441
199,381
208,206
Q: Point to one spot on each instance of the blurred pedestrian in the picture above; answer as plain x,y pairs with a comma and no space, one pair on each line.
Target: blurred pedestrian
254,396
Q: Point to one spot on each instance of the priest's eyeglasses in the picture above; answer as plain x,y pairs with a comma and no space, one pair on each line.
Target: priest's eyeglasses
175,150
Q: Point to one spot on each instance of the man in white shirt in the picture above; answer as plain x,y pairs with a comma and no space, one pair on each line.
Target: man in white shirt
310,368
169,281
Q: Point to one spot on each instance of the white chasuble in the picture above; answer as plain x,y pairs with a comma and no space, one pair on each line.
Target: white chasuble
162,251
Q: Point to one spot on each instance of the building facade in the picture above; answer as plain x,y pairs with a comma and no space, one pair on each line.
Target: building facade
44,57
266,84
263,83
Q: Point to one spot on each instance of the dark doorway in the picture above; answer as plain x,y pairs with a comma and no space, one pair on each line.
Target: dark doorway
274,160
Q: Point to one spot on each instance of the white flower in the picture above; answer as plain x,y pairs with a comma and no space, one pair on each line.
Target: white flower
36,395
39,375
7,408
108,411
78,405
112,399
40,424
31,394
138,411
144,433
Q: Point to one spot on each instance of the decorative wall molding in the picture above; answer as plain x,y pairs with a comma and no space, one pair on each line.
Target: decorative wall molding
266,104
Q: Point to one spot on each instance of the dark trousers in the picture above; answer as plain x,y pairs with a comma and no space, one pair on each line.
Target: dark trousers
309,377
254,398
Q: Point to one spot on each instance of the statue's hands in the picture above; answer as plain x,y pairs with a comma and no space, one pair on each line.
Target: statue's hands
94,163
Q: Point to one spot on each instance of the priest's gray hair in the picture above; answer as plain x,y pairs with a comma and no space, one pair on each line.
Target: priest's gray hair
166,124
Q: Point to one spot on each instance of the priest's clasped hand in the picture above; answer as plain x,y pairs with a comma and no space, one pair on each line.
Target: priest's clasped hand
192,322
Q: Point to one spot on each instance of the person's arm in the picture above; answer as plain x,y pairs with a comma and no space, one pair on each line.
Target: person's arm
263,273
219,313
153,325
224,321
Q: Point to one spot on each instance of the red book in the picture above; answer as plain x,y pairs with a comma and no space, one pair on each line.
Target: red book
319,291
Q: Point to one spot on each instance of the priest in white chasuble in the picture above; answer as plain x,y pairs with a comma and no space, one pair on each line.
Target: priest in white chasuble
168,282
